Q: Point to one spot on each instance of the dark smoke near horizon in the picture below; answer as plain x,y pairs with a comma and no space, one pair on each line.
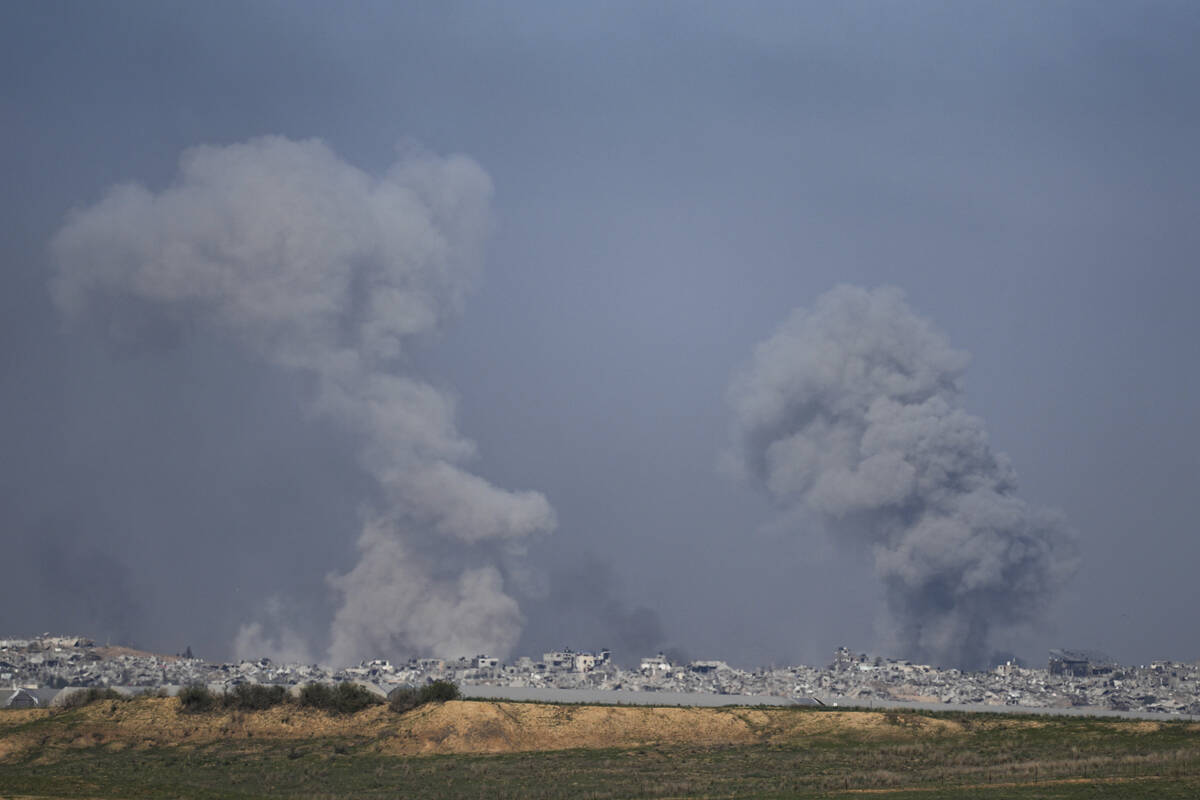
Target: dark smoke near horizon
583,608
322,270
851,415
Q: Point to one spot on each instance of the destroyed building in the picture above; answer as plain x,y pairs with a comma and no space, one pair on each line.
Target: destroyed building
1079,663
37,669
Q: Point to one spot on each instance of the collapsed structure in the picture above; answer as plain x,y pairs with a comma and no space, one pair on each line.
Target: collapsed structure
39,670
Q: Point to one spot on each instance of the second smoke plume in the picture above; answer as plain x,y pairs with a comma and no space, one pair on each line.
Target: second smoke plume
852,413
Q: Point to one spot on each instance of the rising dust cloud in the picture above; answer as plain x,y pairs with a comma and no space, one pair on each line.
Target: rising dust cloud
320,268
851,416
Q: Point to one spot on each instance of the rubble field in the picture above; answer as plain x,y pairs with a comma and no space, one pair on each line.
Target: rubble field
46,665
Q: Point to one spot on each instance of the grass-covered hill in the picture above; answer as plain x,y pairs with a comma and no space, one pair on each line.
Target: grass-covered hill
153,747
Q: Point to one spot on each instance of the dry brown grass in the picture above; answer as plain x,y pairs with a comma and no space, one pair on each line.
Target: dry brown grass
455,727
486,727
530,750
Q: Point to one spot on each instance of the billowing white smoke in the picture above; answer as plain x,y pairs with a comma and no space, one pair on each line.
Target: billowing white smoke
852,413
324,269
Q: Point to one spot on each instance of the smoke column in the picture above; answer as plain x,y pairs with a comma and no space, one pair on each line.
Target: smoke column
320,268
851,413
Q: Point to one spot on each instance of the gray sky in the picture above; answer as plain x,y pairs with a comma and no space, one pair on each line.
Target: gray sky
670,181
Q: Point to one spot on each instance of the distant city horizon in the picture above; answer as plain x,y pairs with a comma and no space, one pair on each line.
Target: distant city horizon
48,670
605,654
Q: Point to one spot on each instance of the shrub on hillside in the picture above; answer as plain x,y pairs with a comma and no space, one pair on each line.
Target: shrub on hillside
316,695
406,698
91,695
440,692
254,697
194,699
343,698
351,697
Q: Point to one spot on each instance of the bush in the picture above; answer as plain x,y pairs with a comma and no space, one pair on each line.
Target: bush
344,698
440,692
91,695
406,699
254,697
194,699
351,697
316,695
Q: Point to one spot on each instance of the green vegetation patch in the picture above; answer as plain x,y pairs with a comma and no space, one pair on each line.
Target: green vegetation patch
989,756
94,694
343,698
406,699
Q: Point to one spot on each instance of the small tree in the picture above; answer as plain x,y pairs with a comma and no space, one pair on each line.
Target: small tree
254,697
351,698
316,695
440,692
344,698
407,698
196,698
91,695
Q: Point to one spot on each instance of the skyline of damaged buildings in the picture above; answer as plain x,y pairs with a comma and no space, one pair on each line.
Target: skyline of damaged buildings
1072,679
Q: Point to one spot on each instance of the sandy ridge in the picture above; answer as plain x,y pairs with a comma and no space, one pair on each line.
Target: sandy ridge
458,727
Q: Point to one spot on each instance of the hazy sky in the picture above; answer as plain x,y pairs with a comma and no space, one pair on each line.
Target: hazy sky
668,183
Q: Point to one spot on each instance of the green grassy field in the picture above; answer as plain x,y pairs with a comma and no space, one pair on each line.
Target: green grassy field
987,757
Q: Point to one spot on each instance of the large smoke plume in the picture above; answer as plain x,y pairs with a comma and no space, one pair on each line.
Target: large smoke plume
851,414
320,268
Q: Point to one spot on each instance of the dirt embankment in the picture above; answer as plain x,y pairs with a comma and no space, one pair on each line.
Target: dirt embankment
455,727
490,727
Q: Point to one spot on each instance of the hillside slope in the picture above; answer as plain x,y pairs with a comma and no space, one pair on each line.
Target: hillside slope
454,727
